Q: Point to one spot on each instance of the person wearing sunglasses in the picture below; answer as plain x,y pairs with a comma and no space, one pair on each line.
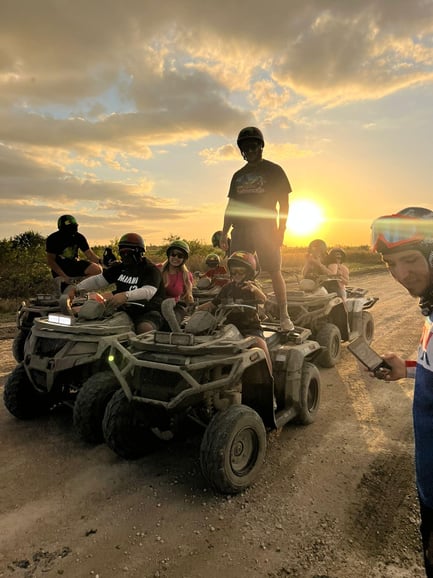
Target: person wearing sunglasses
405,242
257,212
136,280
176,276
242,289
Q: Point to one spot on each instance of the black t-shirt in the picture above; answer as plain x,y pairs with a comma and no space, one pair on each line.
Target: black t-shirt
128,277
66,245
245,320
255,191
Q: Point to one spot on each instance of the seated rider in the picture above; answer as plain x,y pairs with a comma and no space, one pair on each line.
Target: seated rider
176,276
242,289
216,274
336,257
315,261
136,279
62,249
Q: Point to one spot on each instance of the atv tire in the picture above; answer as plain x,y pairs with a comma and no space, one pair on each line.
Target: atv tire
126,428
18,345
329,336
367,326
309,394
90,405
233,449
20,397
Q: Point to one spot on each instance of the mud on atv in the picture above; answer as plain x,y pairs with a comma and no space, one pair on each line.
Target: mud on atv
210,374
60,354
330,319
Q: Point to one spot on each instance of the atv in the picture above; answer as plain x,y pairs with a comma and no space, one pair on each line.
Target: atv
60,354
208,373
39,306
330,318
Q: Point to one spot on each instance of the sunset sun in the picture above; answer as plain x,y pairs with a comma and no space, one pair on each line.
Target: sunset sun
305,217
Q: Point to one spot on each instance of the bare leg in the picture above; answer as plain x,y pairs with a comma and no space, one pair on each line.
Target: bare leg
93,269
279,286
144,327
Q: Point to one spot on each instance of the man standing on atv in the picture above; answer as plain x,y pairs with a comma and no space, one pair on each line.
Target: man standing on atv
136,279
62,249
405,242
257,210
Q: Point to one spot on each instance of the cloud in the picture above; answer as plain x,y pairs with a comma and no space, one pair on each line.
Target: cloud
95,97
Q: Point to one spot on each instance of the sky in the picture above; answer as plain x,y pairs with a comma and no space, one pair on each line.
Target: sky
125,114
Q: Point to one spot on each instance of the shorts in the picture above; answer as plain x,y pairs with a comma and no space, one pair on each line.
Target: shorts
260,239
72,267
153,317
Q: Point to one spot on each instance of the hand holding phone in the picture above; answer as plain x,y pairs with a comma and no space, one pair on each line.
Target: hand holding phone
369,358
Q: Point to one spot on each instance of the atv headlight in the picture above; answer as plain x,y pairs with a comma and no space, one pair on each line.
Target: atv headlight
60,319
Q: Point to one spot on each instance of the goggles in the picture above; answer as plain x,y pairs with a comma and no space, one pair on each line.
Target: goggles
238,271
393,232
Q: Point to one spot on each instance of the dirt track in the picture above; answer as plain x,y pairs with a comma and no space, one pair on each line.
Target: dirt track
336,499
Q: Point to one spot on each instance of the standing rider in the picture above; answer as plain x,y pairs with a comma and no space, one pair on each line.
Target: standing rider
405,242
257,210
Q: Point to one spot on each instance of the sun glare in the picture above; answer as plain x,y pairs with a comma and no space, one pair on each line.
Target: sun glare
305,217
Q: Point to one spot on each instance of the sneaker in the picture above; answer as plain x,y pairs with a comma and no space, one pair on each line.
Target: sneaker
286,324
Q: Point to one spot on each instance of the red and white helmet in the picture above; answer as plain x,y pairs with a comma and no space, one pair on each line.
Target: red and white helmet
243,259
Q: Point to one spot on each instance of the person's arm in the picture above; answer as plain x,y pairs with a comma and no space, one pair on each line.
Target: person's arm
399,367
92,256
343,272
283,213
257,292
228,221
54,266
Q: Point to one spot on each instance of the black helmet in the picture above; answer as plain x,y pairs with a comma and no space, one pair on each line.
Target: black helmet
249,133
66,221
244,259
132,241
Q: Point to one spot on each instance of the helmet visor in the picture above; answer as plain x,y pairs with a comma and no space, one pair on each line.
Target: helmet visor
394,232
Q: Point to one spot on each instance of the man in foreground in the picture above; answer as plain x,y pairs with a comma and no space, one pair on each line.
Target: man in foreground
405,242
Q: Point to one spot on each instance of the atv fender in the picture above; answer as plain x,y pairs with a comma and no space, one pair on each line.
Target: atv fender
287,363
258,392
339,317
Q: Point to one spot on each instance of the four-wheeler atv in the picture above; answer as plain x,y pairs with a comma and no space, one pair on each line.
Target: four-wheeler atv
60,354
39,306
330,318
209,373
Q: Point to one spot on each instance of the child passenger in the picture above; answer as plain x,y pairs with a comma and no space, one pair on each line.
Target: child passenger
244,290
216,274
176,276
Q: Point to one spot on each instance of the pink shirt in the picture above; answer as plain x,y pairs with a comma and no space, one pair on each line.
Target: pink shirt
175,286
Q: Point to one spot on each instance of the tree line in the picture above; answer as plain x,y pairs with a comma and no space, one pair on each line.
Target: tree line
24,271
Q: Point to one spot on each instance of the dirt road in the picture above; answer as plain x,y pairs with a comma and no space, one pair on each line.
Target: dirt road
336,499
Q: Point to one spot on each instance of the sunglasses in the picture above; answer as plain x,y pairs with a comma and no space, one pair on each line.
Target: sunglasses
238,271
252,146
177,254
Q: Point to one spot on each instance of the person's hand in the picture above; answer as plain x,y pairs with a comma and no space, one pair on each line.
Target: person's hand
223,242
397,371
71,291
115,301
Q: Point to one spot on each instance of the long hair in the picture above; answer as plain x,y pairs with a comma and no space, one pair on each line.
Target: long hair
187,284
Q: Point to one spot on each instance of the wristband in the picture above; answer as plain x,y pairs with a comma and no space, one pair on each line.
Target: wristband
410,368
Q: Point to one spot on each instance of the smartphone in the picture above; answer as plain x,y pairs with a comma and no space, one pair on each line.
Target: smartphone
368,357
